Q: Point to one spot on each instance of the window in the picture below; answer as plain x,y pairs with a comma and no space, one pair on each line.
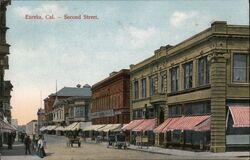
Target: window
152,85
188,75
198,108
175,110
137,114
150,113
240,68
136,90
174,79
203,71
163,77
143,88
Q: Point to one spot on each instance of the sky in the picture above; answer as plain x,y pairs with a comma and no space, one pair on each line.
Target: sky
85,51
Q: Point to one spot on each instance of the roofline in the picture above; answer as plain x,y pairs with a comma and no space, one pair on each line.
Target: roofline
110,77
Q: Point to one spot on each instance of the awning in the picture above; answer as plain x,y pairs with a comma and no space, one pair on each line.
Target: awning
6,127
146,125
104,128
240,116
184,122
132,124
50,128
84,125
204,126
42,128
71,127
114,128
60,128
160,128
171,124
93,127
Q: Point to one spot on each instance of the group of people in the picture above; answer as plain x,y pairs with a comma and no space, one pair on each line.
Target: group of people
37,144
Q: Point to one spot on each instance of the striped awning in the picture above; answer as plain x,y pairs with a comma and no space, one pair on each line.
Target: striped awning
71,127
94,127
132,124
183,123
146,125
240,116
160,128
6,127
104,128
204,126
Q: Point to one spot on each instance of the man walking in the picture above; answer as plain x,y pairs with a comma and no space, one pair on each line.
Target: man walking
27,142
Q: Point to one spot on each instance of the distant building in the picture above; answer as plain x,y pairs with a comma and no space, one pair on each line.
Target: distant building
110,99
57,108
40,118
31,128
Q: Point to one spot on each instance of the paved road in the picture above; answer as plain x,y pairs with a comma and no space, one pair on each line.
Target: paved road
57,150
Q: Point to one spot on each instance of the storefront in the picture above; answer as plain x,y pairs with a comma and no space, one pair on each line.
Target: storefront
238,123
186,131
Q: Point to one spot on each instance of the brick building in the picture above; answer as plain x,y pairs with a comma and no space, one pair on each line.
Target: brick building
110,99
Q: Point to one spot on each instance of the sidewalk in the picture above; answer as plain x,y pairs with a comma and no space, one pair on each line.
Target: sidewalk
16,153
188,153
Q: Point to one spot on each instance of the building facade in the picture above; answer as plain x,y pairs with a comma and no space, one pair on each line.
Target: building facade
31,129
40,119
199,78
5,86
110,99
69,99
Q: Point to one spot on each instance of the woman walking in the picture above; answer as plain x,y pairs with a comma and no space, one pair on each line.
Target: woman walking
40,147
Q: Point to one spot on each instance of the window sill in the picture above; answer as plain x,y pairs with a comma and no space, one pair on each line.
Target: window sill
207,86
234,84
141,99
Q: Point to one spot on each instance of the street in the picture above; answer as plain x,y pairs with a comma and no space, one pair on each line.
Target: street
56,149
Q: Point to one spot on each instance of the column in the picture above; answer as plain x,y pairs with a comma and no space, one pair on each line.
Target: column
218,102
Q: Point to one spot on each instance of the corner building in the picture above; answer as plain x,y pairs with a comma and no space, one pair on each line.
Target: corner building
198,90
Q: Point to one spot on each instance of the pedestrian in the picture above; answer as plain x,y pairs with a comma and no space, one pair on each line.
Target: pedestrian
40,147
27,142
10,141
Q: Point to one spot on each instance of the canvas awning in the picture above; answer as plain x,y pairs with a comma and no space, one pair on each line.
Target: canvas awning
160,128
114,128
146,125
132,124
94,127
60,128
184,123
50,128
71,127
240,116
42,128
84,125
104,128
6,127
204,126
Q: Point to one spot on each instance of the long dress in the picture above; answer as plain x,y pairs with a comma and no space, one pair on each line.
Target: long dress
40,148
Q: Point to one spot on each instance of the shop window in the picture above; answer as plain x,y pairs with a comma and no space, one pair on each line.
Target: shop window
176,136
188,137
136,89
174,79
143,88
203,71
240,68
188,75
